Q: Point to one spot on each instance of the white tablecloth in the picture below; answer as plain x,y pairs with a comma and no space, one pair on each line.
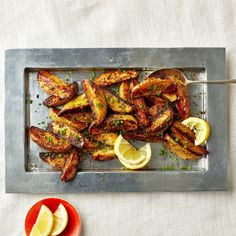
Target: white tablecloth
142,23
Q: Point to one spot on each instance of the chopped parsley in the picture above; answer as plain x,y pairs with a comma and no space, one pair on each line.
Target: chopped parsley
30,101
93,75
117,122
98,104
62,130
33,166
86,133
141,106
186,167
49,139
163,152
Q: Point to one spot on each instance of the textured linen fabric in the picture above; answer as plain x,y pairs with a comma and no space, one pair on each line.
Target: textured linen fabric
141,23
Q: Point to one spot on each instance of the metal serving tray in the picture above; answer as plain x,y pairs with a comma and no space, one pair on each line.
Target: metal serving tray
26,173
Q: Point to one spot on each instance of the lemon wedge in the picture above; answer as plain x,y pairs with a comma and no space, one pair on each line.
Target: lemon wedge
44,222
131,157
200,127
60,220
35,231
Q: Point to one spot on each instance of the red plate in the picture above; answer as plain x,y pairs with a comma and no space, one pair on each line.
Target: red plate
74,224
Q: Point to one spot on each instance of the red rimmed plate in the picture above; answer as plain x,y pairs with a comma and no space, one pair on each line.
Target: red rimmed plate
73,227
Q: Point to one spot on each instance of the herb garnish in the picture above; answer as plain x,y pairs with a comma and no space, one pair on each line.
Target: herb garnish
117,122
93,75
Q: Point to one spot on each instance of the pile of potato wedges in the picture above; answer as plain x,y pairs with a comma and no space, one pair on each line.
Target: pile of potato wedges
90,122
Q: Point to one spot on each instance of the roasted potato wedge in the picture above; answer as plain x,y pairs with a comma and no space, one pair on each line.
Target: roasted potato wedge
53,85
155,110
77,104
71,166
141,111
54,101
48,140
124,91
66,119
154,100
83,116
56,160
143,137
172,96
107,138
90,145
66,132
186,143
117,122
116,103
152,86
103,154
182,104
178,150
94,129
96,99
184,130
162,122
140,107
114,77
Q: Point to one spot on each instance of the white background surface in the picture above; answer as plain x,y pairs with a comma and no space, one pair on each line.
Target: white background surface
142,23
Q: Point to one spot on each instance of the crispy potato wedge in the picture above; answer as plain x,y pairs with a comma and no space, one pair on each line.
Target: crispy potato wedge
83,116
71,166
117,122
90,144
186,143
172,96
56,160
153,100
54,101
66,132
96,99
162,122
114,77
155,110
107,138
77,104
184,130
116,103
48,140
141,111
103,154
53,85
182,104
94,129
143,137
178,150
152,86
124,91
140,107
66,119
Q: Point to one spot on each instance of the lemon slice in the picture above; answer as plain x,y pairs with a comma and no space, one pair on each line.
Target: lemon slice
60,220
44,223
200,127
129,156
35,231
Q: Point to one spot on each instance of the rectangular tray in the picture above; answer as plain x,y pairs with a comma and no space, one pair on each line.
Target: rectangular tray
25,172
